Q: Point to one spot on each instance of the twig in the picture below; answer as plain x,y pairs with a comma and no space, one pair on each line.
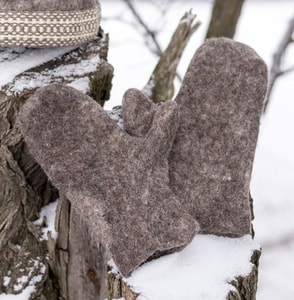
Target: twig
276,71
160,85
288,70
150,33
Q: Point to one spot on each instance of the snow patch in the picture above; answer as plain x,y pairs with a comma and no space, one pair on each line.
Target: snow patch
22,281
6,280
47,218
81,84
14,61
64,73
202,270
116,115
25,295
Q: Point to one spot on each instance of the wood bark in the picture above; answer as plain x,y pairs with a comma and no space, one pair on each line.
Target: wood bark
246,286
224,18
59,268
160,86
79,264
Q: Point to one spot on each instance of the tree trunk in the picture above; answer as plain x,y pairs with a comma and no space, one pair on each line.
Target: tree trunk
25,189
79,264
224,18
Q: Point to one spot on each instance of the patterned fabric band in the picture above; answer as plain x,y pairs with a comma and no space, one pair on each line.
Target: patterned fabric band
48,29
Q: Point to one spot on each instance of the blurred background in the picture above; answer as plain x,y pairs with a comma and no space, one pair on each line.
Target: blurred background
140,31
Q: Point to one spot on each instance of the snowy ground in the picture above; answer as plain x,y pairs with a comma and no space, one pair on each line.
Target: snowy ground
261,26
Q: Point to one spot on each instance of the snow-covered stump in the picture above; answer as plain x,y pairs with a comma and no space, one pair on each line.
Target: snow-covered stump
27,267
209,268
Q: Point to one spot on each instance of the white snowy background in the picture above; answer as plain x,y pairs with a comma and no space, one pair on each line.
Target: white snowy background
261,26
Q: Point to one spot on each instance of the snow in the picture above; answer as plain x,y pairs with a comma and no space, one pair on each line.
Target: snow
17,61
202,270
47,218
81,84
28,281
61,73
25,295
116,115
218,260
6,280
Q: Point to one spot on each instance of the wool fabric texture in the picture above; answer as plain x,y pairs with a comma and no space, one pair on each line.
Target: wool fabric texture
179,168
118,183
220,104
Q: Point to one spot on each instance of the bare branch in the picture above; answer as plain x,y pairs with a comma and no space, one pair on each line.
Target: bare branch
150,33
286,71
160,85
275,71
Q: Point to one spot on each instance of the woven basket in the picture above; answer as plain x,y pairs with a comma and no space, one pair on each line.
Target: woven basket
48,28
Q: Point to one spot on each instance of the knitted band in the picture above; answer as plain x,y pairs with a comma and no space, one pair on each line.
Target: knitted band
48,28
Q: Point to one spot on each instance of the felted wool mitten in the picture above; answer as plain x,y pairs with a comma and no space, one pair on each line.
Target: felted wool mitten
48,23
220,103
118,183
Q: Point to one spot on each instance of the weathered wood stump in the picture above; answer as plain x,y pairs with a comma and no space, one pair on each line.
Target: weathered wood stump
24,189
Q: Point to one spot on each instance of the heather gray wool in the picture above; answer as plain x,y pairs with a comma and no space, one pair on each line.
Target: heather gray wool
137,112
118,183
220,104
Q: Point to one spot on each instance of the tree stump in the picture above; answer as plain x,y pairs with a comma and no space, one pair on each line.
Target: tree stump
190,278
28,263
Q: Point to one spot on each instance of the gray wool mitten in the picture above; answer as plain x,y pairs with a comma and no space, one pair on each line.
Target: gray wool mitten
220,103
118,183
48,23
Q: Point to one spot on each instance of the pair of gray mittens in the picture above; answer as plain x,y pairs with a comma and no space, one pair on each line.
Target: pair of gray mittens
178,169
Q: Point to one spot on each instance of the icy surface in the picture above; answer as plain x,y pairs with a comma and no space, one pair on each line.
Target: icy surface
202,270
